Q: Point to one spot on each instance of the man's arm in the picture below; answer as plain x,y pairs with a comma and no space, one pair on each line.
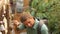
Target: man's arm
44,29
18,24
21,26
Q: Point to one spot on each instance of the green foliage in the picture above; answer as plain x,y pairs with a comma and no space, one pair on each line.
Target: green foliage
51,10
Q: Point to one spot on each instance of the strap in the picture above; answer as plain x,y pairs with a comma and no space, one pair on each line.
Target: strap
39,27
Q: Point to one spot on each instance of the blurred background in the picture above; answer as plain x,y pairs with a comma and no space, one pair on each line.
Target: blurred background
11,9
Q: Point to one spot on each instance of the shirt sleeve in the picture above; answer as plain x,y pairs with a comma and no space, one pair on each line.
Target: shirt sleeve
44,29
21,26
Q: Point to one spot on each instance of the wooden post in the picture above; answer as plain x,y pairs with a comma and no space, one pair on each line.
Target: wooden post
7,15
1,9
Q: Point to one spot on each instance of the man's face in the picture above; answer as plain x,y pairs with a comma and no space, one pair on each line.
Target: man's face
29,22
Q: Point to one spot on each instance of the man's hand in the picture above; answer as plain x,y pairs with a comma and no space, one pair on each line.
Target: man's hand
15,22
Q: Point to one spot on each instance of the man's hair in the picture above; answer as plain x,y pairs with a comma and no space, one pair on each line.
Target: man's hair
24,16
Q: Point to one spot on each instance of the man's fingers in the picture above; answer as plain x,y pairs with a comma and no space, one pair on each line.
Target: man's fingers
15,22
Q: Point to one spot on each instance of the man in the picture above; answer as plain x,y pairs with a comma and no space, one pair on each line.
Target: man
30,24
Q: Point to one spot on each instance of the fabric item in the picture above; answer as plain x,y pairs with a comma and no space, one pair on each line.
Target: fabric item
19,5
2,28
